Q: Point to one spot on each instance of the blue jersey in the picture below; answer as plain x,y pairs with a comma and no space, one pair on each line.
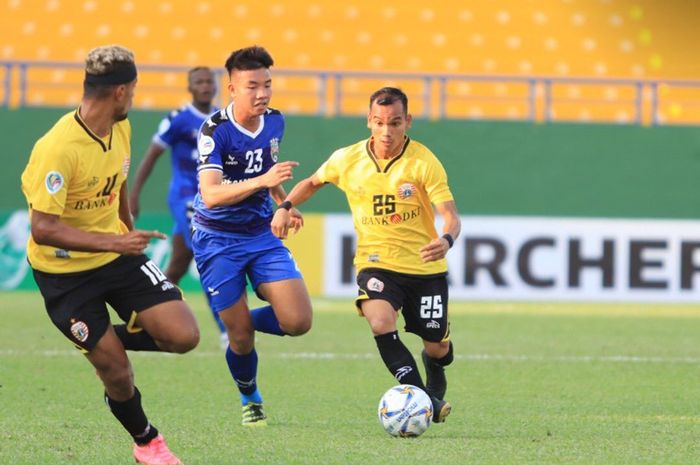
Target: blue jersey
178,132
240,155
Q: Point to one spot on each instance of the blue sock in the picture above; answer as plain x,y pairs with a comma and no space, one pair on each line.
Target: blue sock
265,321
243,370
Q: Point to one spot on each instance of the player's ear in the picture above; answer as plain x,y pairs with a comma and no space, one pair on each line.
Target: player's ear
119,91
409,120
369,121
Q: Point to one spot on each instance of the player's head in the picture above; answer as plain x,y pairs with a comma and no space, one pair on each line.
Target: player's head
201,84
250,82
110,75
388,119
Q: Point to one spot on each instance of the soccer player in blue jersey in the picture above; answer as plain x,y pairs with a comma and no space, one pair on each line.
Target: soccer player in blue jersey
239,177
178,132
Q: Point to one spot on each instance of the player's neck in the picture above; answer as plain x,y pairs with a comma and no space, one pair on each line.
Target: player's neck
202,107
250,122
382,154
96,117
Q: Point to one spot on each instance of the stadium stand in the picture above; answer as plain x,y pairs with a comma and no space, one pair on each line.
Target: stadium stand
628,39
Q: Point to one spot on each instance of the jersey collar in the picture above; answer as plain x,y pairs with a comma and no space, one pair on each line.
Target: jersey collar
373,157
92,134
229,113
198,113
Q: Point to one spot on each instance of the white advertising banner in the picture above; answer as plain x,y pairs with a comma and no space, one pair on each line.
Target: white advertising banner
569,259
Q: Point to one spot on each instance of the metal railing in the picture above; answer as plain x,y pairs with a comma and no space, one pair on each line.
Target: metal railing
436,96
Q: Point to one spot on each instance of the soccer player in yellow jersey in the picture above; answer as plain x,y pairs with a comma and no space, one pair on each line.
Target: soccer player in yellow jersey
85,253
390,182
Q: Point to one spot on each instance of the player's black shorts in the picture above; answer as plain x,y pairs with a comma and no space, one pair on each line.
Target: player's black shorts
422,299
76,302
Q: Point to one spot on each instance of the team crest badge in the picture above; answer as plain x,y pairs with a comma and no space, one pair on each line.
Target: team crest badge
274,148
53,181
406,190
80,331
375,285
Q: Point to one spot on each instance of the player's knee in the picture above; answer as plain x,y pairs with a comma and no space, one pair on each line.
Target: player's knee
297,327
117,378
381,325
241,340
184,341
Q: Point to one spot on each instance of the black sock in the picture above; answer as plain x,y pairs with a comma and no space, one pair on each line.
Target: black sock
135,341
398,359
131,415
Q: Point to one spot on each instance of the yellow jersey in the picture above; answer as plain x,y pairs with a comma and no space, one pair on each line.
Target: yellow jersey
390,201
75,174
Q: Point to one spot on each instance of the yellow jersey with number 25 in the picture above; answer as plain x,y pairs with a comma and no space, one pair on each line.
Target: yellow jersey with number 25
390,200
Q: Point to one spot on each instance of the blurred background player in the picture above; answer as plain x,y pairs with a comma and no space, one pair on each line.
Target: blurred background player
85,253
239,176
178,132
400,258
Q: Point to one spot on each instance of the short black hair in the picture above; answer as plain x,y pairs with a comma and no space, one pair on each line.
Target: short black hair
248,58
389,95
191,72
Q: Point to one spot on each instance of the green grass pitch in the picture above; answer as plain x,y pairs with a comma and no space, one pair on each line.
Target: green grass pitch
531,384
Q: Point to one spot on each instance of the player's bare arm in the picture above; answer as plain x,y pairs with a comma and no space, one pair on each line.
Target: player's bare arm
142,173
216,194
296,220
49,230
437,248
124,210
302,192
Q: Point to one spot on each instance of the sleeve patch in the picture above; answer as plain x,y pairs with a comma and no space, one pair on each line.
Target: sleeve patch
53,182
205,145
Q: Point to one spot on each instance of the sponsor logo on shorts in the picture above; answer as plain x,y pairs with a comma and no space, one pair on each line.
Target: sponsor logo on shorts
375,285
80,331
373,258
432,324
167,285
212,291
54,181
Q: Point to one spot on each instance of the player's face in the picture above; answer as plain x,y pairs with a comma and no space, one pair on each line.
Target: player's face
202,86
251,91
124,98
388,124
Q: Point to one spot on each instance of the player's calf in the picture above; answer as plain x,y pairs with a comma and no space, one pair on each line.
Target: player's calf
436,381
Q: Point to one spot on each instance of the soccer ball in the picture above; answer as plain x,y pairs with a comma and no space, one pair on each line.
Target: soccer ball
405,411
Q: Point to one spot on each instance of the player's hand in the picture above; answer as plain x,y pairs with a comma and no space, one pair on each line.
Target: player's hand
436,250
279,173
296,220
135,242
280,223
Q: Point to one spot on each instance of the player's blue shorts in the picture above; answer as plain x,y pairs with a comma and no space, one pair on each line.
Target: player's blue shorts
182,212
224,261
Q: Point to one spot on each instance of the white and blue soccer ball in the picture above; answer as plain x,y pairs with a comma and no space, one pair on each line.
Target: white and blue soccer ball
405,411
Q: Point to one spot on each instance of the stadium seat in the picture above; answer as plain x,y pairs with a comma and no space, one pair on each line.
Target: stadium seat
602,39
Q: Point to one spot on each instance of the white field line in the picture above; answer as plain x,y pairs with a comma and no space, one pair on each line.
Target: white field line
369,356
